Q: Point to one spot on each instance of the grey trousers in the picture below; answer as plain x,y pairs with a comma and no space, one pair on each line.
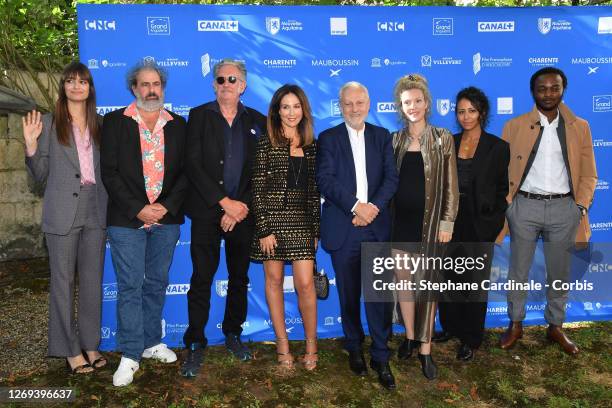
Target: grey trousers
557,221
80,251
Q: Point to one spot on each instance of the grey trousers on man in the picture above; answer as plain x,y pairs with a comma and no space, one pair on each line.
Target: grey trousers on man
557,221
82,250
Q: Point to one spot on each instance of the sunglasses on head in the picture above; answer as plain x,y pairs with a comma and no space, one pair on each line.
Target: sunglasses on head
231,79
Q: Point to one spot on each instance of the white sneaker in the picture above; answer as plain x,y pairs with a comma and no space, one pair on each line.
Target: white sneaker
125,372
160,352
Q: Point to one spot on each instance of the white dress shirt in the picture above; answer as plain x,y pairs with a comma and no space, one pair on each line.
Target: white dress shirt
548,174
357,139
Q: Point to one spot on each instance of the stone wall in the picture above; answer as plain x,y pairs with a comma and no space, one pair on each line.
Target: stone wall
20,198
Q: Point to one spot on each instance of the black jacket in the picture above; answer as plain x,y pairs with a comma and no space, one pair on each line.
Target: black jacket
122,174
489,184
205,155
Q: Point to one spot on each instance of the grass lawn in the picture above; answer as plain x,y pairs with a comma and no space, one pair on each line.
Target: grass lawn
533,374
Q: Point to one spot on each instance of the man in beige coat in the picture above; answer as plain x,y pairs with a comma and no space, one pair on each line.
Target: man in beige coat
552,179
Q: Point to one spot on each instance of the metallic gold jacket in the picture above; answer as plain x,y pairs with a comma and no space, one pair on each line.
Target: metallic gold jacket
441,184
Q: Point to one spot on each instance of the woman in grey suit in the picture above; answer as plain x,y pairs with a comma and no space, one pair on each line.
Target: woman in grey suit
62,150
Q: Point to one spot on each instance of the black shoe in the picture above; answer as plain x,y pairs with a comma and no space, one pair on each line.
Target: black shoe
357,363
404,352
465,352
441,337
192,363
430,371
235,346
385,376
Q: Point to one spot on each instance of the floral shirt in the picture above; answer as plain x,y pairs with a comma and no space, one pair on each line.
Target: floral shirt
152,148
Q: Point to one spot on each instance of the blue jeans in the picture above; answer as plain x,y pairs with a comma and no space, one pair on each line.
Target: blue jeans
141,258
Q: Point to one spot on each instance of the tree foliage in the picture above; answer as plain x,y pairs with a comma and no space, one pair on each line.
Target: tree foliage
41,35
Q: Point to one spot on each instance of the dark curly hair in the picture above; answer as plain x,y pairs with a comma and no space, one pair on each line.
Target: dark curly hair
546,71
479,101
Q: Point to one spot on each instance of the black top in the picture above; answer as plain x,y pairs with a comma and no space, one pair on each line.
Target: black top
297,176
410,199
233,142
464,172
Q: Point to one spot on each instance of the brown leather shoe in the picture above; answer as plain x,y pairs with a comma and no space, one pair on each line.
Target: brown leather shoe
512,334
555,334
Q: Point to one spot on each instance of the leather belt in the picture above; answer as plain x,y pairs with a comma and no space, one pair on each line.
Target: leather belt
535,196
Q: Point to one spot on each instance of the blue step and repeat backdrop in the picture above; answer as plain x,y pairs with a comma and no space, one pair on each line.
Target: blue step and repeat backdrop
320,48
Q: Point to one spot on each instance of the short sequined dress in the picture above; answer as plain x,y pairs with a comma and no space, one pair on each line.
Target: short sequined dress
286,201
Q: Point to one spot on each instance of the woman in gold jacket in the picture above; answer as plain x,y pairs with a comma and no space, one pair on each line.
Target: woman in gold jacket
425,207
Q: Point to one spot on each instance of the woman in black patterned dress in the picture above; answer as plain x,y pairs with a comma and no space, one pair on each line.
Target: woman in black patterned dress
286,204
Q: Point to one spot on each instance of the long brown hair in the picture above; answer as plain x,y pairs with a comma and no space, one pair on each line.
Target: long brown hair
274,125
62,116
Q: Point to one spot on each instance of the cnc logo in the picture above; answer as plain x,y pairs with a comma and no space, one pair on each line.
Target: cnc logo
390,26
101,25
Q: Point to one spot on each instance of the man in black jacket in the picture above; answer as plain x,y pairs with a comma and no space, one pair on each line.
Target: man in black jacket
221,138
141,159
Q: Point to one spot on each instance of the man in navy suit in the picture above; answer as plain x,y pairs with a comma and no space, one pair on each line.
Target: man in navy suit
356,174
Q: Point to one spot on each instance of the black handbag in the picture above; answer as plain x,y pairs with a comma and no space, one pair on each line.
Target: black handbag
321,282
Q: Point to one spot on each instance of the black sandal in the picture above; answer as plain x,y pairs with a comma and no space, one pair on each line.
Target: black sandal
99,362
78,369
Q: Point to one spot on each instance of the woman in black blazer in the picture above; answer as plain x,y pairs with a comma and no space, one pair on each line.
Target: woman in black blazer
286,204
482,167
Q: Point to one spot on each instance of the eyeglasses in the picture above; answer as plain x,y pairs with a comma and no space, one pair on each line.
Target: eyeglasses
231,79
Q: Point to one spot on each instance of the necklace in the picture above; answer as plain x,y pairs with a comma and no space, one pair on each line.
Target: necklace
296,177
469,142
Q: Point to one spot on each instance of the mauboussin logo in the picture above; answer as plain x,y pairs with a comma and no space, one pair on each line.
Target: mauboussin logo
109,292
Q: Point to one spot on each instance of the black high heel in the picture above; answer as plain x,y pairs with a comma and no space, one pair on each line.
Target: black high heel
404,352
430,370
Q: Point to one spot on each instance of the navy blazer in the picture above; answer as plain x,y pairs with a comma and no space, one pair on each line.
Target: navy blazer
338,185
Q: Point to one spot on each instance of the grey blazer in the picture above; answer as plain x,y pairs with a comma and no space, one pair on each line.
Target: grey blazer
58,166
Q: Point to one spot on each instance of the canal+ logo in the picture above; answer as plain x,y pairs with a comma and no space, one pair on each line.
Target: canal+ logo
218,25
